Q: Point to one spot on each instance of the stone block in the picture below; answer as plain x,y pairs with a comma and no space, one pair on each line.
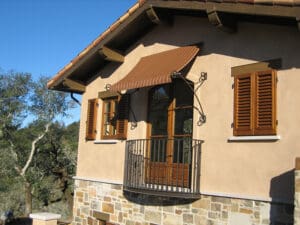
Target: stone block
247,203
107,199
168,209
120,217
108,207
90,221
224,215
113,218
153,217
101,216
188,218
83,184
85,210
118,206
92,192
297,163
202,204
246,211
235,207
129,222
239,219
221,200
171,219
213,215
178,211
200,220
116,186
79,194
297,185
216,207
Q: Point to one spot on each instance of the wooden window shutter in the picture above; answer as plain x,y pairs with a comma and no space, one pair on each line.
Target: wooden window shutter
91,119
243,115
123,114
265,105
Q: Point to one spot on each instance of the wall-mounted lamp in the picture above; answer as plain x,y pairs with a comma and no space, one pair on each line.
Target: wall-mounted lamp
175,75
107,87
203,76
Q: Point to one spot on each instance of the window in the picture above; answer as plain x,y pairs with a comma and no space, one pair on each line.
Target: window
91,119
115,117
255,103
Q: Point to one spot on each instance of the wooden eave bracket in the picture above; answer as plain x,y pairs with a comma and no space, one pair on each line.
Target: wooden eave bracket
74,85
111,55
223,22
298,22
152,15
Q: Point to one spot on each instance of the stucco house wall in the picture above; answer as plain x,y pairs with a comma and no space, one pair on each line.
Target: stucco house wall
259,170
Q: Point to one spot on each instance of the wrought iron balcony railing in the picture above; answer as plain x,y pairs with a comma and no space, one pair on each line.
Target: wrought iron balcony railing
163,166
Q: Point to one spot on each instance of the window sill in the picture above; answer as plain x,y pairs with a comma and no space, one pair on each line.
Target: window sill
254,138
109,141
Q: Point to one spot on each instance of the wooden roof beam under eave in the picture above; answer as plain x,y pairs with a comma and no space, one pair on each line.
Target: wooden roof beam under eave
111,55
152,15
73,85
224,22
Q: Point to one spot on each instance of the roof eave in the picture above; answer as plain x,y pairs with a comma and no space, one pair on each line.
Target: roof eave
255,8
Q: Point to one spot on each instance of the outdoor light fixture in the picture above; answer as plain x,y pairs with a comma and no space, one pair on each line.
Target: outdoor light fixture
203,76
107,87
175,75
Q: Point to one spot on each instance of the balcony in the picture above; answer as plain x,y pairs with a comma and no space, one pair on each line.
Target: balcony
164,167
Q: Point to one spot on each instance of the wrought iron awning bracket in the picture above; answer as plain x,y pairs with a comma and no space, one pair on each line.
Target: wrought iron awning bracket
202,78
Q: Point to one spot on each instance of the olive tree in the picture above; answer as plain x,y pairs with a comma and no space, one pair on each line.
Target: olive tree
27,109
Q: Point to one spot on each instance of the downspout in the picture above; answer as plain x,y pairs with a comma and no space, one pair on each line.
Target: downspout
75,99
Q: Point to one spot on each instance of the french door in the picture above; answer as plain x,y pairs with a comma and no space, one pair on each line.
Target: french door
170,121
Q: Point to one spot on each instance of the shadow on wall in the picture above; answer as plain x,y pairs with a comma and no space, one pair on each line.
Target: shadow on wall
144,199
264,45
282,189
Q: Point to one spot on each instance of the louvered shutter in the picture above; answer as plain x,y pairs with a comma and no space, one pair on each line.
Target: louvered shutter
243,105
265,108
123,113
91,119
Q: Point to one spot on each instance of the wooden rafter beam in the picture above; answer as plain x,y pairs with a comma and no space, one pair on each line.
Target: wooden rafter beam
76,86
111,55
152,15
222,21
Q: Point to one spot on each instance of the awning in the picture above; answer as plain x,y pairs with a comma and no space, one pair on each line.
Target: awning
156,69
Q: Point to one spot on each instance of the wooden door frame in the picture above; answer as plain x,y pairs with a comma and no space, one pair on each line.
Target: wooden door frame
170,134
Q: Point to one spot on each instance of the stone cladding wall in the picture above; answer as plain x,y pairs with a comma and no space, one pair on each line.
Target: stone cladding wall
297,193
96,202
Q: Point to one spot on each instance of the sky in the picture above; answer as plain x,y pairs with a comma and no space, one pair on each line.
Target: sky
42,36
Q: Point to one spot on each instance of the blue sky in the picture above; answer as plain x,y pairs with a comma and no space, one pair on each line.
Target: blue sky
42,36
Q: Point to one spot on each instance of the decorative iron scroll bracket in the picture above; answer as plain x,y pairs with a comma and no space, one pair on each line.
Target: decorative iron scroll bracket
202,78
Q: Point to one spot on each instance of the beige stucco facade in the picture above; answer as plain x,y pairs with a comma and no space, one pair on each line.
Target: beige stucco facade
257,169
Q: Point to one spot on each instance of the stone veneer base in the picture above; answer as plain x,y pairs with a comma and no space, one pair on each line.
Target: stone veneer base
96,202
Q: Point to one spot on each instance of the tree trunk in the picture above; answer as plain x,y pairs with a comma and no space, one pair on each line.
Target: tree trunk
28,198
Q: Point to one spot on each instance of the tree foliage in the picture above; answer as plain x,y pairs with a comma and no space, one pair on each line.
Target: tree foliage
37,153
